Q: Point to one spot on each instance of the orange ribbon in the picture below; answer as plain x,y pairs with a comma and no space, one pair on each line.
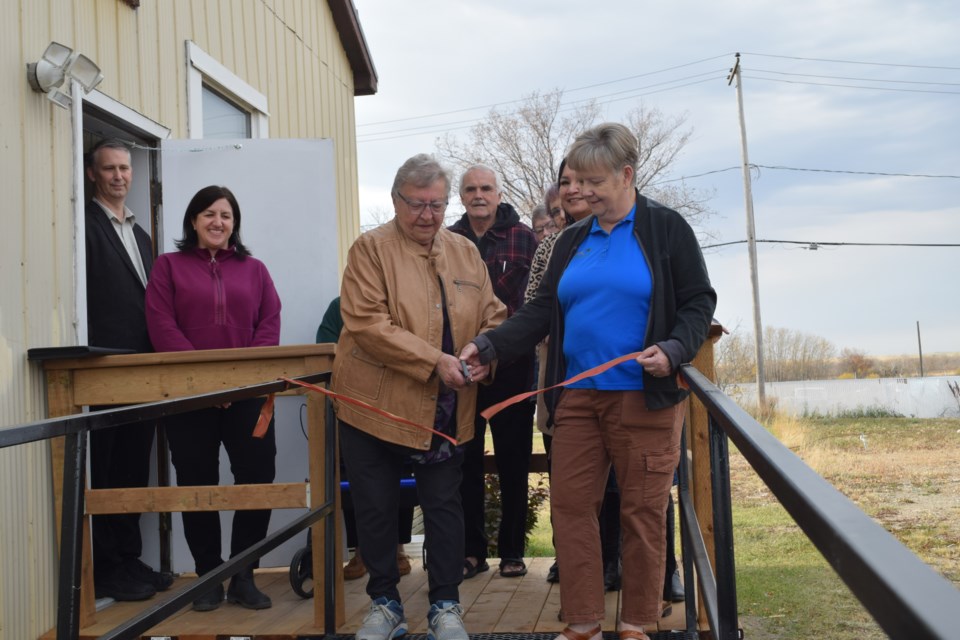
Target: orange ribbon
360,403
493,410
266,415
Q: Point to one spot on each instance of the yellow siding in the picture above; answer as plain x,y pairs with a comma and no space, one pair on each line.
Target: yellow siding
289,50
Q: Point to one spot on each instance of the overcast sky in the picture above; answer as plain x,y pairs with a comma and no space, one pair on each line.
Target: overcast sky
858,88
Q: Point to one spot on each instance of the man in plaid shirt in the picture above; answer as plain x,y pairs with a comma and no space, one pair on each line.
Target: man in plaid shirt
507,246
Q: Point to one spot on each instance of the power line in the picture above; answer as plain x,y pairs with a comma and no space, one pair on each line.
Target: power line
876,64
783,168
852,86
859,173
812,75
519,100
813,246
562,108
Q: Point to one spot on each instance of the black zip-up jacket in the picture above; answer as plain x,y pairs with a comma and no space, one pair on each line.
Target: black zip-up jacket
681,305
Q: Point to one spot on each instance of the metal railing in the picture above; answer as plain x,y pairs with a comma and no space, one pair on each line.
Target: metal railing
906,597
75,429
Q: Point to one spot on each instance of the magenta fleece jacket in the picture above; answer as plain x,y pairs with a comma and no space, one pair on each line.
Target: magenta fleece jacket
195,302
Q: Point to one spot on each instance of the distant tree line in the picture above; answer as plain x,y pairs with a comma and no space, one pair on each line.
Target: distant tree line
794,355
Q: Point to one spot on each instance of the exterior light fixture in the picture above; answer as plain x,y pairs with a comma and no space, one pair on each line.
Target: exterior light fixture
58,64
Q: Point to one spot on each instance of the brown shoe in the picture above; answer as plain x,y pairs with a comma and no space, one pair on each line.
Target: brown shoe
403,563
355,568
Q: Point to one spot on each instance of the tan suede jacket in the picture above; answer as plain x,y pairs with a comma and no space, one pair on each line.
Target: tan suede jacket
390,301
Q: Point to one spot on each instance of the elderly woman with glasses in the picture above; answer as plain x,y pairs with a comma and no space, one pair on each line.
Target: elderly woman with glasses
413,294
542,223
629,278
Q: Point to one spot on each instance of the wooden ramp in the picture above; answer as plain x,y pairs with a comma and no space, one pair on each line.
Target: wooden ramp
493,605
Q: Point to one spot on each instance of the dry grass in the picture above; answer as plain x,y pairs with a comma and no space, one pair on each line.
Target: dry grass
905,473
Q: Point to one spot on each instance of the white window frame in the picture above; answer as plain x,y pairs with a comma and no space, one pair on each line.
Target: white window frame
202,69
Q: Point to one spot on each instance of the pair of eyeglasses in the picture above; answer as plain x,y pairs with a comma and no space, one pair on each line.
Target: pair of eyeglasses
417,208
546,227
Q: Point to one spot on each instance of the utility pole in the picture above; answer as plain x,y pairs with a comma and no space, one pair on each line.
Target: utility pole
920,348
751,237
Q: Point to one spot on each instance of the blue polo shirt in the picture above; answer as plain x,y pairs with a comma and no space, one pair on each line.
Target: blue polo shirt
604,294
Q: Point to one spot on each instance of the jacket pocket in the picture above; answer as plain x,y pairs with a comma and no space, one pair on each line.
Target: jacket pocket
465,295
364,374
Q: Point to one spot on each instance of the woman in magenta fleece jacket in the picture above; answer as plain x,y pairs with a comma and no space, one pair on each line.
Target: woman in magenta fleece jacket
211,294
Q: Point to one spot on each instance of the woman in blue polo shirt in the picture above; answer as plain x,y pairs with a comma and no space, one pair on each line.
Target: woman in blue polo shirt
629,278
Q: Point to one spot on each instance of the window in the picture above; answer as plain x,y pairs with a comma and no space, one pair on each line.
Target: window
219,103
222,118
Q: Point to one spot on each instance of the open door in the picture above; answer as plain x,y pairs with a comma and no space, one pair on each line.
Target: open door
286,192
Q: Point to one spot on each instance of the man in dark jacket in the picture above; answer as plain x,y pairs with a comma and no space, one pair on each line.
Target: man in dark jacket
507,246
119,258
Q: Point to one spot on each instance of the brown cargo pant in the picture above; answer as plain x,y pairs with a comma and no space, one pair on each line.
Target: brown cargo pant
595,429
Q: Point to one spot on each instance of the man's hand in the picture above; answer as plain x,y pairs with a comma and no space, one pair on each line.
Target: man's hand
655,362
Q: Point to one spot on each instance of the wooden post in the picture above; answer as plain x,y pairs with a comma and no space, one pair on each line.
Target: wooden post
151,377
699,443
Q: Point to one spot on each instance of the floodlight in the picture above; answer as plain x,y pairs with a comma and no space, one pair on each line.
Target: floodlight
83,70
58,63
49,72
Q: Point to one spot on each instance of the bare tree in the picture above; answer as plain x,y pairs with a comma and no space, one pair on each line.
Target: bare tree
526,145
788,355
376,216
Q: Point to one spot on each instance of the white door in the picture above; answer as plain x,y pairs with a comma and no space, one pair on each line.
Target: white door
286,192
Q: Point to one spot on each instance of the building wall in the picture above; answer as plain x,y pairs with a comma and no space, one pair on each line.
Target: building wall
289,50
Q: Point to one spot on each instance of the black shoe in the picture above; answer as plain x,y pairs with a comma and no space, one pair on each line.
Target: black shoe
121,586
142,572
209,601
553,574
612,576
673,590
244,592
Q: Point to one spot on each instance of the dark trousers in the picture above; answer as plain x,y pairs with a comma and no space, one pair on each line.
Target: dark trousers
375,469
512,431
195,439
671,546
404,511
119,459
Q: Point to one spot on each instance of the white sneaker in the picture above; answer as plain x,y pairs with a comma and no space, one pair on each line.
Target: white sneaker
445,621
384,621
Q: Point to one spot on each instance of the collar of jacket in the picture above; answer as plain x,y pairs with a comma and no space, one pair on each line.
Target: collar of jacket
222,254
434,250
581,228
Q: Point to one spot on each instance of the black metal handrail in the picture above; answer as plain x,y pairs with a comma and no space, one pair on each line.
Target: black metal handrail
906,597
75,428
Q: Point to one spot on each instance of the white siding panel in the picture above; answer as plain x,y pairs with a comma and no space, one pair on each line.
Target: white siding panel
289,50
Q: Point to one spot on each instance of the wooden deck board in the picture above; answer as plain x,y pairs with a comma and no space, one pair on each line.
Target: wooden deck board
493,604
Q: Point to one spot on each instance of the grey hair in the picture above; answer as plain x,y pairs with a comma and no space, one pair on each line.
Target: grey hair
539,211
610,146
552,193
421,170
106,143
482,167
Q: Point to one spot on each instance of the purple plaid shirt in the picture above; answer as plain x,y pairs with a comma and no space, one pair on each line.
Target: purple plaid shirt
507,248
